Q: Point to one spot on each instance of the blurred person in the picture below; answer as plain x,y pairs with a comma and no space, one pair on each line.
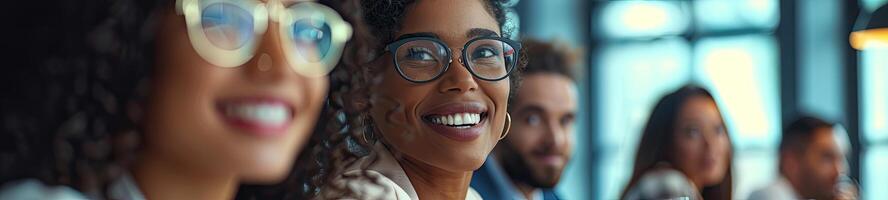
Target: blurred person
187,99
529,162
810,162
438,93
685,150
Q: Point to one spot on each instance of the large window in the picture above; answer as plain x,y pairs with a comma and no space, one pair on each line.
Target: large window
874,121
648,48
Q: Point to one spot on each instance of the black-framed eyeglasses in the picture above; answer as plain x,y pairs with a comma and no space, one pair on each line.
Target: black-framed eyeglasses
424,59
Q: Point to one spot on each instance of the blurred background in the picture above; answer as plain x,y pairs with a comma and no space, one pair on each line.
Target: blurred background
766,61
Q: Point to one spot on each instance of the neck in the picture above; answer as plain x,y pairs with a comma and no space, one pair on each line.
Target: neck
435,183
161,179
525,189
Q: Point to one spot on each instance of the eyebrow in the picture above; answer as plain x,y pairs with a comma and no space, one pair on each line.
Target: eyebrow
480,32
531,109
471,33
419,34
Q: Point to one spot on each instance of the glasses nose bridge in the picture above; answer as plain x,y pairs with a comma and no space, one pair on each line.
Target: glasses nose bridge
457,54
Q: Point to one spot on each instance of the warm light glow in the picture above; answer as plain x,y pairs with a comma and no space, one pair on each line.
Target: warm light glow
741,72
872,38
643,18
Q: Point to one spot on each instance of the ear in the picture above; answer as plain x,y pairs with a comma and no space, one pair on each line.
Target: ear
789,163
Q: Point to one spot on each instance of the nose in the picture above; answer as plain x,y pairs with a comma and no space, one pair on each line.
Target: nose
708,139
457,79
268,64
555,135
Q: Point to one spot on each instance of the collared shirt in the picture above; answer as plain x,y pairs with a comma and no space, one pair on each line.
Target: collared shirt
779,189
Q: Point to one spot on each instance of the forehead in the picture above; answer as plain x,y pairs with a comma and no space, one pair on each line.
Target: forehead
549,91
823,138
700,108
450,20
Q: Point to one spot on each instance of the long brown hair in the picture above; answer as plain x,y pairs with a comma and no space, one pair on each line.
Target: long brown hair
657,141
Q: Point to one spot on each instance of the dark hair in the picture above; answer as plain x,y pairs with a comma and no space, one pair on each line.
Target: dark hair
70,117
657,140
797,134
549,57
385,16
85,68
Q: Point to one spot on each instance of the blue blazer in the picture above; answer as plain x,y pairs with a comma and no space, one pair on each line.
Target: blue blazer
492,183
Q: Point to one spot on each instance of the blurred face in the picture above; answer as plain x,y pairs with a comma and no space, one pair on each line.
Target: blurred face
820,166
540,142
419,120
701,149
250,120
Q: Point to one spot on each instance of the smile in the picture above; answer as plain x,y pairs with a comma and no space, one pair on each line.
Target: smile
257,116
457,121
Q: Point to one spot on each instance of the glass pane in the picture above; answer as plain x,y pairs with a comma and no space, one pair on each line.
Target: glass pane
722,15
631,79
742,72
874,86
627,19
875,178
753,170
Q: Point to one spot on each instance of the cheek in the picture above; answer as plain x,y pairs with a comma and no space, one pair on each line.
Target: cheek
316,91
497,91
687,152
724,148
523,141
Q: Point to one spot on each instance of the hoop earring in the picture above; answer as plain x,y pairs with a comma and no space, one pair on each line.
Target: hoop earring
370,128
507,127
364,136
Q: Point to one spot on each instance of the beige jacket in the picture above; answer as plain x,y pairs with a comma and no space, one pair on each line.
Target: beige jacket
391,180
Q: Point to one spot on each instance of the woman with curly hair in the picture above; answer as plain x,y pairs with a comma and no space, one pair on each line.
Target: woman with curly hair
439,88
185,99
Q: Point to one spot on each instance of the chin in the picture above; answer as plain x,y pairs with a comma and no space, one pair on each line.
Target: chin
270,173
462,160
714,179
547,180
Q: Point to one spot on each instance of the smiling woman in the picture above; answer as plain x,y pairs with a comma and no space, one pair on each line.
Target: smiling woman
175,99
438,92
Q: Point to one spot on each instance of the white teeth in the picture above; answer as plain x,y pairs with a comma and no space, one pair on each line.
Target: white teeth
266,114
458,119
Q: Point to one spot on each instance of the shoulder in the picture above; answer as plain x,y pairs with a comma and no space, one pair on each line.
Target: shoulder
366,184
34,189
662,183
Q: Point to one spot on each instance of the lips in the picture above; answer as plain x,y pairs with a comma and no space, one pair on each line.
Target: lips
457,121
551,159
257,116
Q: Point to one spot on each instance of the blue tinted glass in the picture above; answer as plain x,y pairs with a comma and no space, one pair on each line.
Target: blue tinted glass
227,26
312,38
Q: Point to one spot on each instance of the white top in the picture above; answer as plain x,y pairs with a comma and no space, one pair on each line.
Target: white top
778,190
391,180
663,183
124,188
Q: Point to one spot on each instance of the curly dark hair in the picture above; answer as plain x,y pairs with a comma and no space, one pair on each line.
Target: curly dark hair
70,105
